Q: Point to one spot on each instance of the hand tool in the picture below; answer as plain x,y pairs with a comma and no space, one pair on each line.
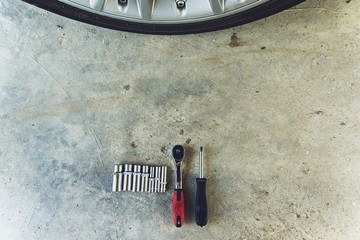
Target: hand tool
201,212
178,208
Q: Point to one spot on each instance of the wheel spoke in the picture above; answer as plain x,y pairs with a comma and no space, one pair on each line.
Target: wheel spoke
97,4
217,6
146,8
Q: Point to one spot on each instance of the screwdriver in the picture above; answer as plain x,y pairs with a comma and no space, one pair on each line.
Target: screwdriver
201,211
178,205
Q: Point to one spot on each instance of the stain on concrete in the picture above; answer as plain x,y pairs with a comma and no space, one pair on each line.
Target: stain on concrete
164,149
55,165
133,145
87,68
57,182
161,93
234,41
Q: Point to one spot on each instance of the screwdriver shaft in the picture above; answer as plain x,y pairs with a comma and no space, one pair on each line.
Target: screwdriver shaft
201,162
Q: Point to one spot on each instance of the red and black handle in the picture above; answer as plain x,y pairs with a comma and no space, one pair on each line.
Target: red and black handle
178,207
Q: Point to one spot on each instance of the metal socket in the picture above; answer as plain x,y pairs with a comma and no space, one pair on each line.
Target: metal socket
115,178
120,178
151,179
130,177
127,177
136,178
163,178
145,179
159,179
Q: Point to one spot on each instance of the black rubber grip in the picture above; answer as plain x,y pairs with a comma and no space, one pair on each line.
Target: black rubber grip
201,211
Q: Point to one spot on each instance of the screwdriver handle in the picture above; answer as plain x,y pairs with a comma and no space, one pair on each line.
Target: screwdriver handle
178,207
201,211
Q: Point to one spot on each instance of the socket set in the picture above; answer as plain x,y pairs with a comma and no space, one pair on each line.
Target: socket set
139,178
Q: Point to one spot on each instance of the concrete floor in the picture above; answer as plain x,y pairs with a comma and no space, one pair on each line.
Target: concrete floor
278,114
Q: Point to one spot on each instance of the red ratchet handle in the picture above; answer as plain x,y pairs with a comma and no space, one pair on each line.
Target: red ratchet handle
178,207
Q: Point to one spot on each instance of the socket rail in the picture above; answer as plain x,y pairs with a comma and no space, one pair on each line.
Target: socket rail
139,178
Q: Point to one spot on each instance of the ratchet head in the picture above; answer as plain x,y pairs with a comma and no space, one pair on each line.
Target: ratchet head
178,153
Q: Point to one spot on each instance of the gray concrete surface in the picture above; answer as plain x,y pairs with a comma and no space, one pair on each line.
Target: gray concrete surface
278,114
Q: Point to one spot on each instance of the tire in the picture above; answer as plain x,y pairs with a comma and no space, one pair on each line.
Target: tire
182,24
